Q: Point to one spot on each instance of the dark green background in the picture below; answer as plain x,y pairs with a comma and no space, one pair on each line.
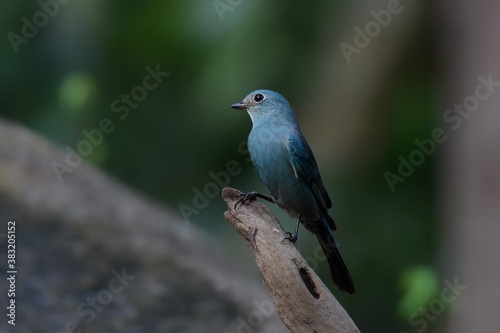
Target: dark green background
65,79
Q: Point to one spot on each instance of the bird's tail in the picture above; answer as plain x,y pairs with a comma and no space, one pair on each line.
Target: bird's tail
338,269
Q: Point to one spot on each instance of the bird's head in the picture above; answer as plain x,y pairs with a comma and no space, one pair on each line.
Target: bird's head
265,105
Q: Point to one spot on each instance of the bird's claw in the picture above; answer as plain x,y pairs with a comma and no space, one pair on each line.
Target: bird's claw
290,237
244,197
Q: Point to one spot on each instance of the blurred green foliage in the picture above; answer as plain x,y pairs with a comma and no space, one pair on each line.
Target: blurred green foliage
65,79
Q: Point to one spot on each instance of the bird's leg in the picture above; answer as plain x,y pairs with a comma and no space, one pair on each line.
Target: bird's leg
293,237
244,197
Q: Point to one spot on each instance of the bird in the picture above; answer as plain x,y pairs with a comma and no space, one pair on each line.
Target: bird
286,166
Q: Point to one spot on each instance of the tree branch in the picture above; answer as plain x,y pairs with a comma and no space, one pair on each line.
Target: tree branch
302,300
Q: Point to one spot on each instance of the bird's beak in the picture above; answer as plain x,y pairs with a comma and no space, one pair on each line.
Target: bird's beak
239,106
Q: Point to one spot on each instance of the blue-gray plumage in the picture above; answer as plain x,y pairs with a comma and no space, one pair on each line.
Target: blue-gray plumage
288,169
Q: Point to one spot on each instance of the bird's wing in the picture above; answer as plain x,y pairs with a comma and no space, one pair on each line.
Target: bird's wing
306,169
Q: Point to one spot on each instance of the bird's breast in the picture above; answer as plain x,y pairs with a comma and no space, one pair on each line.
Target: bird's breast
268,149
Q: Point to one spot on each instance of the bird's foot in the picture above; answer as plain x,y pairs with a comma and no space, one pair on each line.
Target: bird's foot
290,237
293,237
244,197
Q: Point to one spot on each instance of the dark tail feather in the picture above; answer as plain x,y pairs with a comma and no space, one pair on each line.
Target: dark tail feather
338,268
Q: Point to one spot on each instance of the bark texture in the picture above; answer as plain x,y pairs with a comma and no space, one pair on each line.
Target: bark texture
302,300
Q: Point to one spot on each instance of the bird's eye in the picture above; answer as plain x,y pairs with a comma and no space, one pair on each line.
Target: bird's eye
258,98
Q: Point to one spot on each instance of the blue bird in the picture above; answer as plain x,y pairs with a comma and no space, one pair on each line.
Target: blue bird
287,167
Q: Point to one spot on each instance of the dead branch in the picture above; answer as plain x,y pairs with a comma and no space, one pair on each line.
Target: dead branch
302,300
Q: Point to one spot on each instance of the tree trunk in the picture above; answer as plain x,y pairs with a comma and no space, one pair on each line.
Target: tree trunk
470,168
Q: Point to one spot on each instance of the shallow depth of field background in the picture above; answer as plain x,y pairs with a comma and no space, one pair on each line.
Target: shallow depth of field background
359,115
